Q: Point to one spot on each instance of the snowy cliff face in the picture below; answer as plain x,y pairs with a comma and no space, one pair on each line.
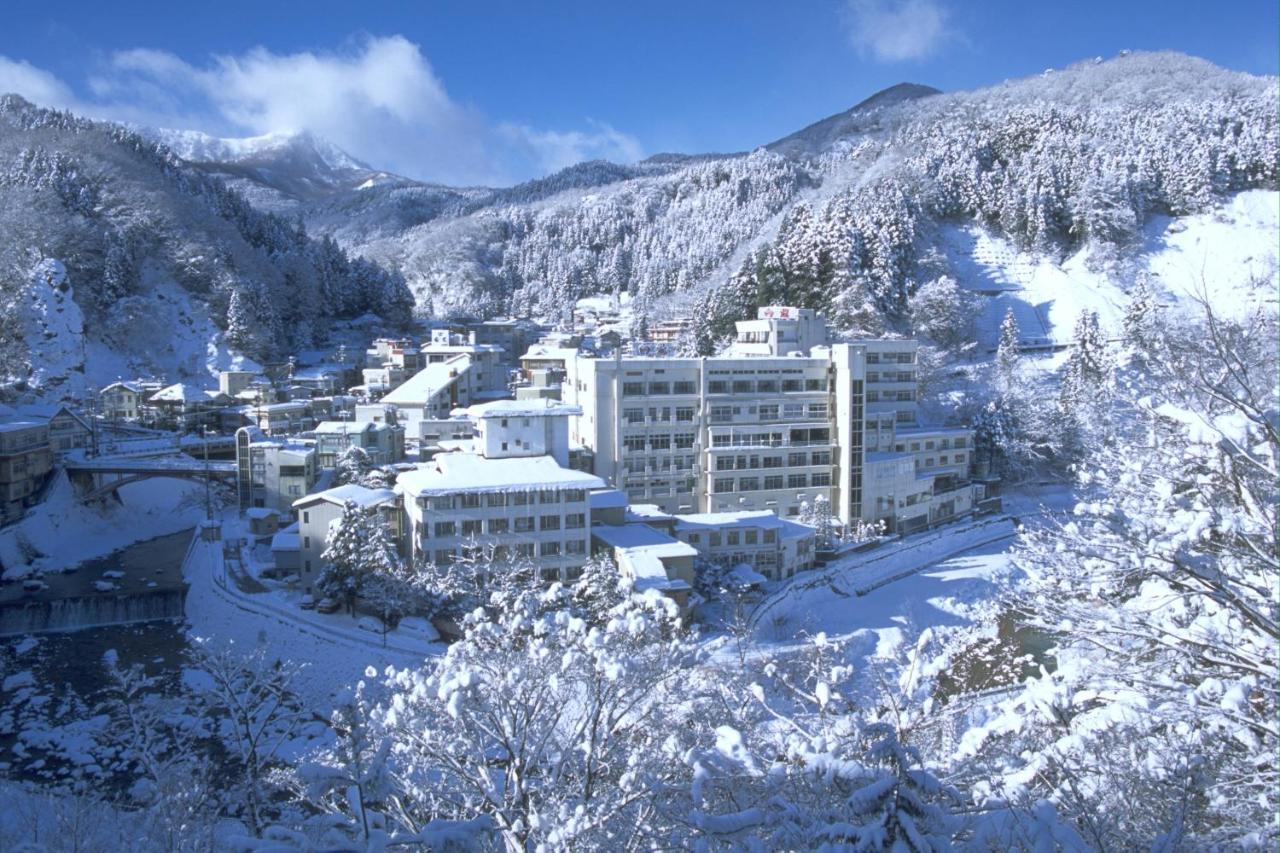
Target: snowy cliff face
847,215
52,320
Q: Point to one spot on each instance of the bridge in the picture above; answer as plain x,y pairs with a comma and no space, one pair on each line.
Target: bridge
104,475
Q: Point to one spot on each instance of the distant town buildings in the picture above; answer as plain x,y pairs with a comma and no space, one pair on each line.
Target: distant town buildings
26,458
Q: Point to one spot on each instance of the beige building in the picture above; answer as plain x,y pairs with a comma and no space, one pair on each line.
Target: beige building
781,420
121,401
272,473
26,459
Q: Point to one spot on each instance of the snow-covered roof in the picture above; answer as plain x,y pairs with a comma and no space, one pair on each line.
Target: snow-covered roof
607,499
353,493
128,386
185,392
427,382
641,551
14,426
647,512
287,540
347,427
541,407
449,473
761,518
550,351
260,512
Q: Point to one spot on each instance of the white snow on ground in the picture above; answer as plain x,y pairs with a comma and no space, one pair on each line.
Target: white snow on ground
1216,253
336,653
62,531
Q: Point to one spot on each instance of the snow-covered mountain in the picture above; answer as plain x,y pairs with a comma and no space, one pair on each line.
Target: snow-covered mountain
851,215
119,258
844,215
276,171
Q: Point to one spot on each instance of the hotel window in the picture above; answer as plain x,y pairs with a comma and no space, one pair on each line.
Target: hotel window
686,388
575,521
550,522
767,386
633,443
743,386
496,499
633,389
717,386
659,388
820,478
548,496
498,525
575,546
790,385
817,410
749,484
684,413
773,483
633,416
470,500
444,556
472,527
684,440
524,524
550,549
724,484
797,481
445,528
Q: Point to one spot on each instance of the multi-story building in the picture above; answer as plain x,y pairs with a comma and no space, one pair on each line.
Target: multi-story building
121,401
382,441
272,473
25,461
68,430
489,374
318,511
186,407
288,418
511,496
782,420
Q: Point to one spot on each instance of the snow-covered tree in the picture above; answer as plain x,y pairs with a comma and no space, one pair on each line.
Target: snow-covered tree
352,466
1007,353
1157,727
547,729
944,313
358,546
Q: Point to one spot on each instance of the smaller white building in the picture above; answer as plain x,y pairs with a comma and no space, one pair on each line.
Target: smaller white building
460,505
317,512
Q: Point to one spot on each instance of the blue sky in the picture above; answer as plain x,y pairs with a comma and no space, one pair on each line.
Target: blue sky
503,91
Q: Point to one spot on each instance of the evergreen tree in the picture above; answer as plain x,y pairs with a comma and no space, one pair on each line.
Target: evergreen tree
1141,316
357,548
1088,366
1007,354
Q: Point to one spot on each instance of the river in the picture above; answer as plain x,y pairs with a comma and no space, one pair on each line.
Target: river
140,583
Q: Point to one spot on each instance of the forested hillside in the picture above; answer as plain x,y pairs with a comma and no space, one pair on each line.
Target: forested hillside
149,243
842,216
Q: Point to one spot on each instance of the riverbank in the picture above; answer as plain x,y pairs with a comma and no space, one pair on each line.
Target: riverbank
63,532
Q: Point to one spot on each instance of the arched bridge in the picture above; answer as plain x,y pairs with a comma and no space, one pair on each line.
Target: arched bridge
103,476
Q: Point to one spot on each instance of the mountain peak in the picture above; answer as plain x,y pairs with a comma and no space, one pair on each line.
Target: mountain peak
821,134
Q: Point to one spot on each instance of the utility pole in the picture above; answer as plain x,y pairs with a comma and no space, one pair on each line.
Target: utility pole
208,485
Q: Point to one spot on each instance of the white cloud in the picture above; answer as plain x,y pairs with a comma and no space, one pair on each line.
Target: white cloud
34,84
550,150
897,30
379,99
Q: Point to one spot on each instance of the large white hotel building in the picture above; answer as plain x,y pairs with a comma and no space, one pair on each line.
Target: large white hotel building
780,419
